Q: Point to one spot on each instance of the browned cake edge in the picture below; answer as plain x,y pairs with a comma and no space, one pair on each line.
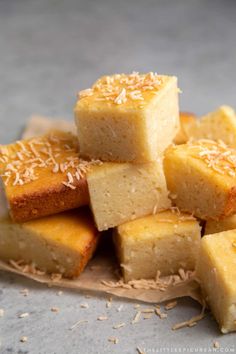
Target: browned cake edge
85,257
48,201
230,207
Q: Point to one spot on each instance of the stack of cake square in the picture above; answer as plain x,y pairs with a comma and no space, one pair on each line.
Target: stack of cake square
41,186
115,165
143,175
128,121
201,176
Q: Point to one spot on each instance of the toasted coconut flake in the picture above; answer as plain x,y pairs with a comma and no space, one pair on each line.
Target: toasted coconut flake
102,318
119,88
147,311
55,168
56,277
109,302
55,309
136,306
158,284
24,292
136,317
114,340
23,339
23,315
76,324
216,155
69,185
84,306
86,93
121,98
58,154
216,344
140,351
119,309
119,325
160,314
192,322
171,305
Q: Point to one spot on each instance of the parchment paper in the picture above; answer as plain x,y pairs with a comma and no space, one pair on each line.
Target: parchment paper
103,268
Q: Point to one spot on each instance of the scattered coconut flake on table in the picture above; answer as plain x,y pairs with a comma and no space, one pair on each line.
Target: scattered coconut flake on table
192,322
23,315
78,323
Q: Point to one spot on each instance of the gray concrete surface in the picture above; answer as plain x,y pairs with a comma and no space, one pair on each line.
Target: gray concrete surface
50,49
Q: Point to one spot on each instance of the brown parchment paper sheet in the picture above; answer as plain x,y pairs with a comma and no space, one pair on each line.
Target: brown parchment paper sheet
103,267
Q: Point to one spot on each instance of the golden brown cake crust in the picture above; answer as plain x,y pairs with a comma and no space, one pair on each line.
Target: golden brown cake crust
230,207
202,177
56,244
88,253
48,201
43,176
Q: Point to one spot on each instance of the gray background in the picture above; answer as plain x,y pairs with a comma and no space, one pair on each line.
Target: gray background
49,50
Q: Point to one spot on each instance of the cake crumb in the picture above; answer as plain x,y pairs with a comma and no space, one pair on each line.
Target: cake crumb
1,312
23,339
60,293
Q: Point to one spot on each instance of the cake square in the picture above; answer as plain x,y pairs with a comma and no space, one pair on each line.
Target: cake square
128,118
216,270
217,125
215,226
187,120
165,242
43,176
61,243
201,177
122,191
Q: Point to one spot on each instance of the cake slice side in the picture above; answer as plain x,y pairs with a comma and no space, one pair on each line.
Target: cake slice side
161,244
216,272
61,243
43,176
